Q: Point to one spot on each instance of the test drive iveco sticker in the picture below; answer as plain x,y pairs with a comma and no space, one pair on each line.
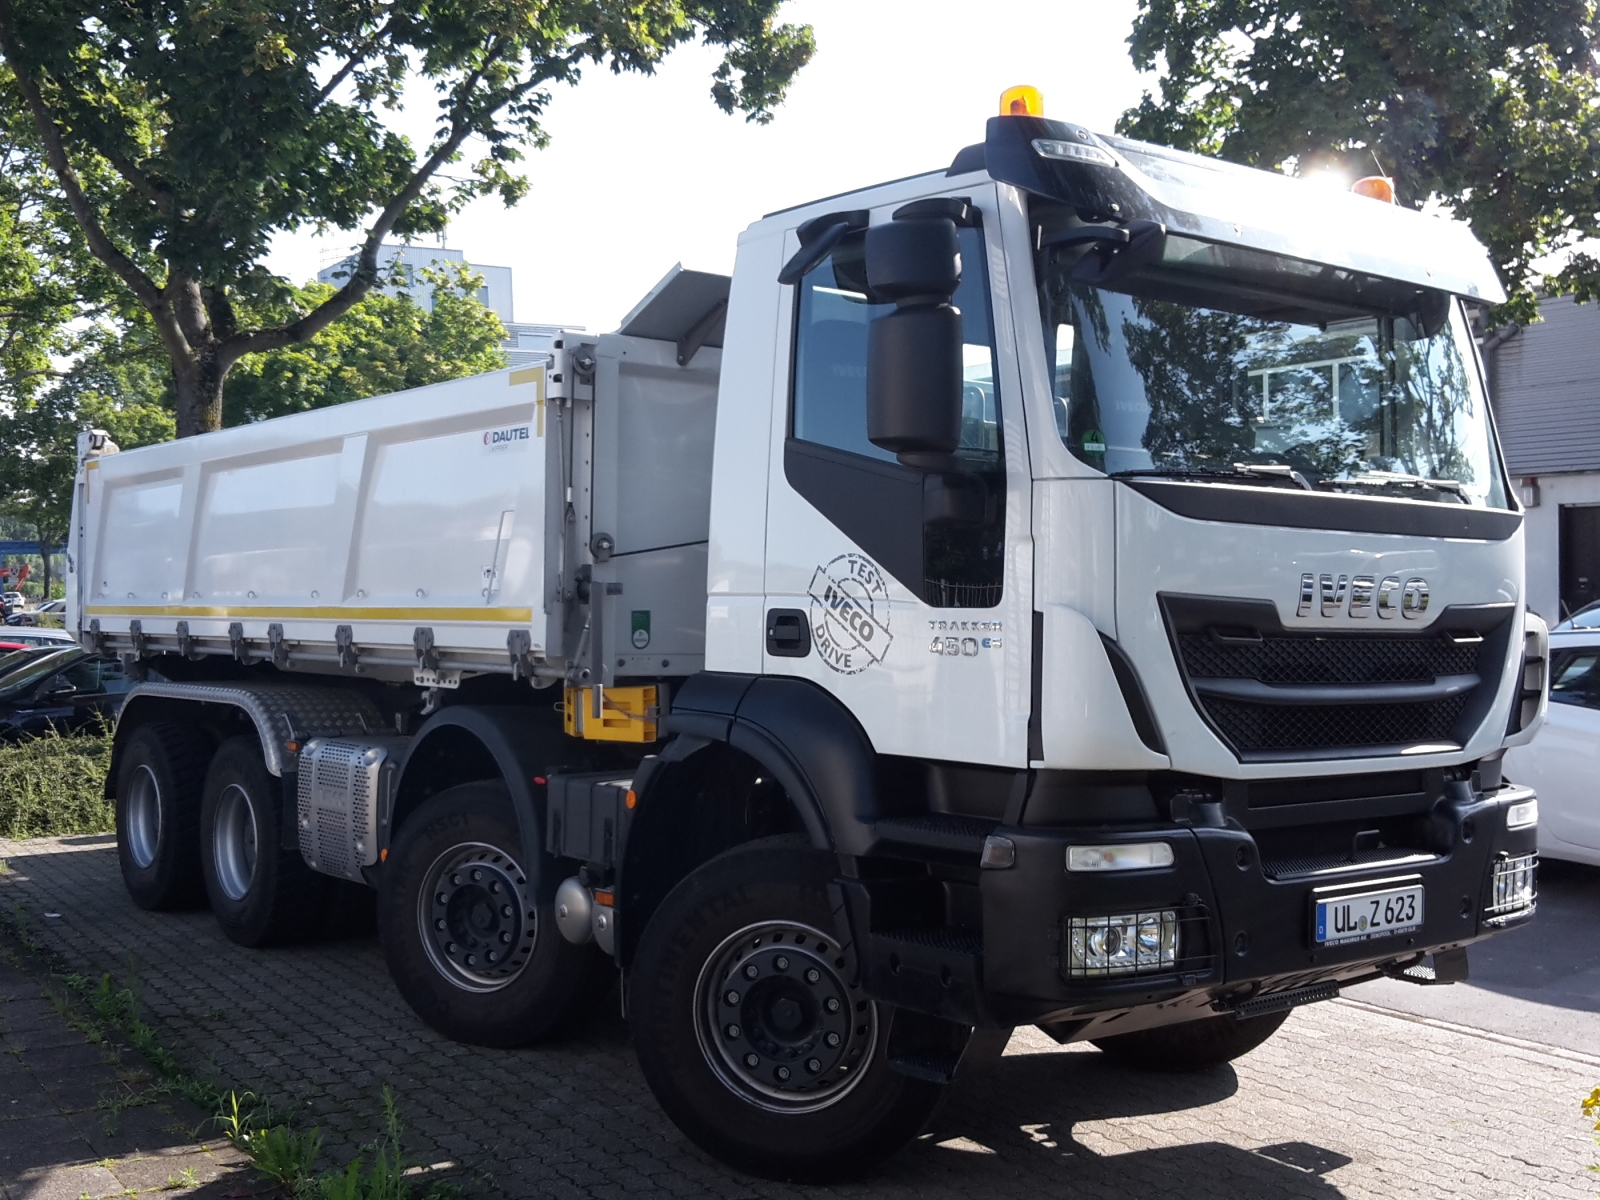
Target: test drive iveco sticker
850,613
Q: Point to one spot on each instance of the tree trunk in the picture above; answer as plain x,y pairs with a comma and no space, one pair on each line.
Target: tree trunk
44,554
198,391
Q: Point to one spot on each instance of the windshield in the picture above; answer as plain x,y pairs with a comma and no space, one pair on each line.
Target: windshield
1216,362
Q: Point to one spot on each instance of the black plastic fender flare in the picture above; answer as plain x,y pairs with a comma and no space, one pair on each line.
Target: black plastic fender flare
515,742
811,743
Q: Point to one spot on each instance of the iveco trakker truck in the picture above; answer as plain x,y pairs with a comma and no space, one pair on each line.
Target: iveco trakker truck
1077,588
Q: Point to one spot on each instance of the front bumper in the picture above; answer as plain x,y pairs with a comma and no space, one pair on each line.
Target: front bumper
1246,927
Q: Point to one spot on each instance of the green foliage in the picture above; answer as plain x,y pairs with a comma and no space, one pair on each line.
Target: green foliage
53,785
1591,1109
1490,107
384,344
287,1158
183,135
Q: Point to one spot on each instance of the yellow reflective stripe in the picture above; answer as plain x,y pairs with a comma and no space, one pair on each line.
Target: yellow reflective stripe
514,616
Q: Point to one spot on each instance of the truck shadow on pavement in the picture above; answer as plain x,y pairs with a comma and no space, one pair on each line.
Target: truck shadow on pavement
1027,1114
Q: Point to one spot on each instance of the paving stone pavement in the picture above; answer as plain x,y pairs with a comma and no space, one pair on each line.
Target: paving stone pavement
84,1120
1346,1101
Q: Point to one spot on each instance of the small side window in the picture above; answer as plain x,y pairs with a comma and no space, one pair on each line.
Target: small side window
1575,679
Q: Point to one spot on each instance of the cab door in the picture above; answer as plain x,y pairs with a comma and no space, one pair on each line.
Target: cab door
903,589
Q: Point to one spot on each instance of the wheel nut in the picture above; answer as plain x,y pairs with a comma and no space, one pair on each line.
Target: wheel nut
782,1073
505,937
752,1060
442,898
813,1065
732,997
832,1039
439,924
495,888
812,975
456,880
751,971
451,948
781,963
733,1031
505,910
472,960
831,1004
490,956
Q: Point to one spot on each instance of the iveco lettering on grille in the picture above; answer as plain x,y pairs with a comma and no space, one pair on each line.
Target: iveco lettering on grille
1359,597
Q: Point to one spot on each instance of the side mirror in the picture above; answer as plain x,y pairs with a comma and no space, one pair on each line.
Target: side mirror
60,689
914,367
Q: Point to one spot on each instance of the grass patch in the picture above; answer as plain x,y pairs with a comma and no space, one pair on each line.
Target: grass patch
55,785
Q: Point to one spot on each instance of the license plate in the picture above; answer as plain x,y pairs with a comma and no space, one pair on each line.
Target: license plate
1369,915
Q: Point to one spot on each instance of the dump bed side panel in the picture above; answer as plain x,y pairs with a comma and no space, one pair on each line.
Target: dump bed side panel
423,509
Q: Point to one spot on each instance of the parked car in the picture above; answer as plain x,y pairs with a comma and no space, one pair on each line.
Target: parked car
58,687
1562,763
1587,617
49,613
37,636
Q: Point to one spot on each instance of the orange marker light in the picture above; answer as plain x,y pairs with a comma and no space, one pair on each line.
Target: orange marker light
383,855
1022,101
631,799
1375,187
604,898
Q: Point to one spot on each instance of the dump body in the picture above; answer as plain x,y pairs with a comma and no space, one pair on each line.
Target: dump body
436,531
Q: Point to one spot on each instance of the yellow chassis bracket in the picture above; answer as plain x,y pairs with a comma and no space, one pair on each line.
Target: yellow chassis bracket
626,714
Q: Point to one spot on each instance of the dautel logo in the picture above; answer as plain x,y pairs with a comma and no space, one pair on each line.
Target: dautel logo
504,437
1362,595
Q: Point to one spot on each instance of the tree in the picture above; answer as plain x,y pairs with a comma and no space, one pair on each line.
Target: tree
1490,107
384,344
183,134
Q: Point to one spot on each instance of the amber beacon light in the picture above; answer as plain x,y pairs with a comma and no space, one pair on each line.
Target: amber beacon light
1375,187
1022,101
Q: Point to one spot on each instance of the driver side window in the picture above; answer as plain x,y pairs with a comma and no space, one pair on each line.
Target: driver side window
939,528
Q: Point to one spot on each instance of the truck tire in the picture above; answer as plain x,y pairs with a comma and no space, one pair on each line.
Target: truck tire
159,781
1192,1045
471,945
260,888
751,1032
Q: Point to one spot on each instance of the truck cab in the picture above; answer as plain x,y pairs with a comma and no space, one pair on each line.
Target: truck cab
1077,587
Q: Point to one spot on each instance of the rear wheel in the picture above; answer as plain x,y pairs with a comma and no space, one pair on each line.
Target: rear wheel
1192,1045
159,782
750,1029
260,888
469,935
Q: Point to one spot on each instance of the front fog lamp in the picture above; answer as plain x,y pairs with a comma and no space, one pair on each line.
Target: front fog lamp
1133,856
1513,882
1130,944
1522,814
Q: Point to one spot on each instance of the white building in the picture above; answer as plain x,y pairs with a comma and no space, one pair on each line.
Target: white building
525,343
1545,384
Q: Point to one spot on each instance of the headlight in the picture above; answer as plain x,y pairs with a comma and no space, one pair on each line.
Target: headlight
1522,814
1128,944
1134,856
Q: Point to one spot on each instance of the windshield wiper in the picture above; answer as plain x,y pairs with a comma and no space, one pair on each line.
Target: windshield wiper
1398,479
1237,473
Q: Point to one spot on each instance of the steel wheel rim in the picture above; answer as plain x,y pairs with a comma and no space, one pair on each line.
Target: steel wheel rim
476,920
233,843
143,817
764,1017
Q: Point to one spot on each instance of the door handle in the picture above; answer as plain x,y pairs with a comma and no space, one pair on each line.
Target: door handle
788,633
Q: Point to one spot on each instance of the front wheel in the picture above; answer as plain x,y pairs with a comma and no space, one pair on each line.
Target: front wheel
750,1029
470,935
1192,1045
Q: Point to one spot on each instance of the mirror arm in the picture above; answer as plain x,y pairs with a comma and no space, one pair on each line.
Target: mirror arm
803,263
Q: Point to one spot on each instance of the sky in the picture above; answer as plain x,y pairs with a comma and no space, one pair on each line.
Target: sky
645,171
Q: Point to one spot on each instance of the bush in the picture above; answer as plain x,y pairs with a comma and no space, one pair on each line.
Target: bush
55,785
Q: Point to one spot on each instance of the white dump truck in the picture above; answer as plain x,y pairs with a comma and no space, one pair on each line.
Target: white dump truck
1078,587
